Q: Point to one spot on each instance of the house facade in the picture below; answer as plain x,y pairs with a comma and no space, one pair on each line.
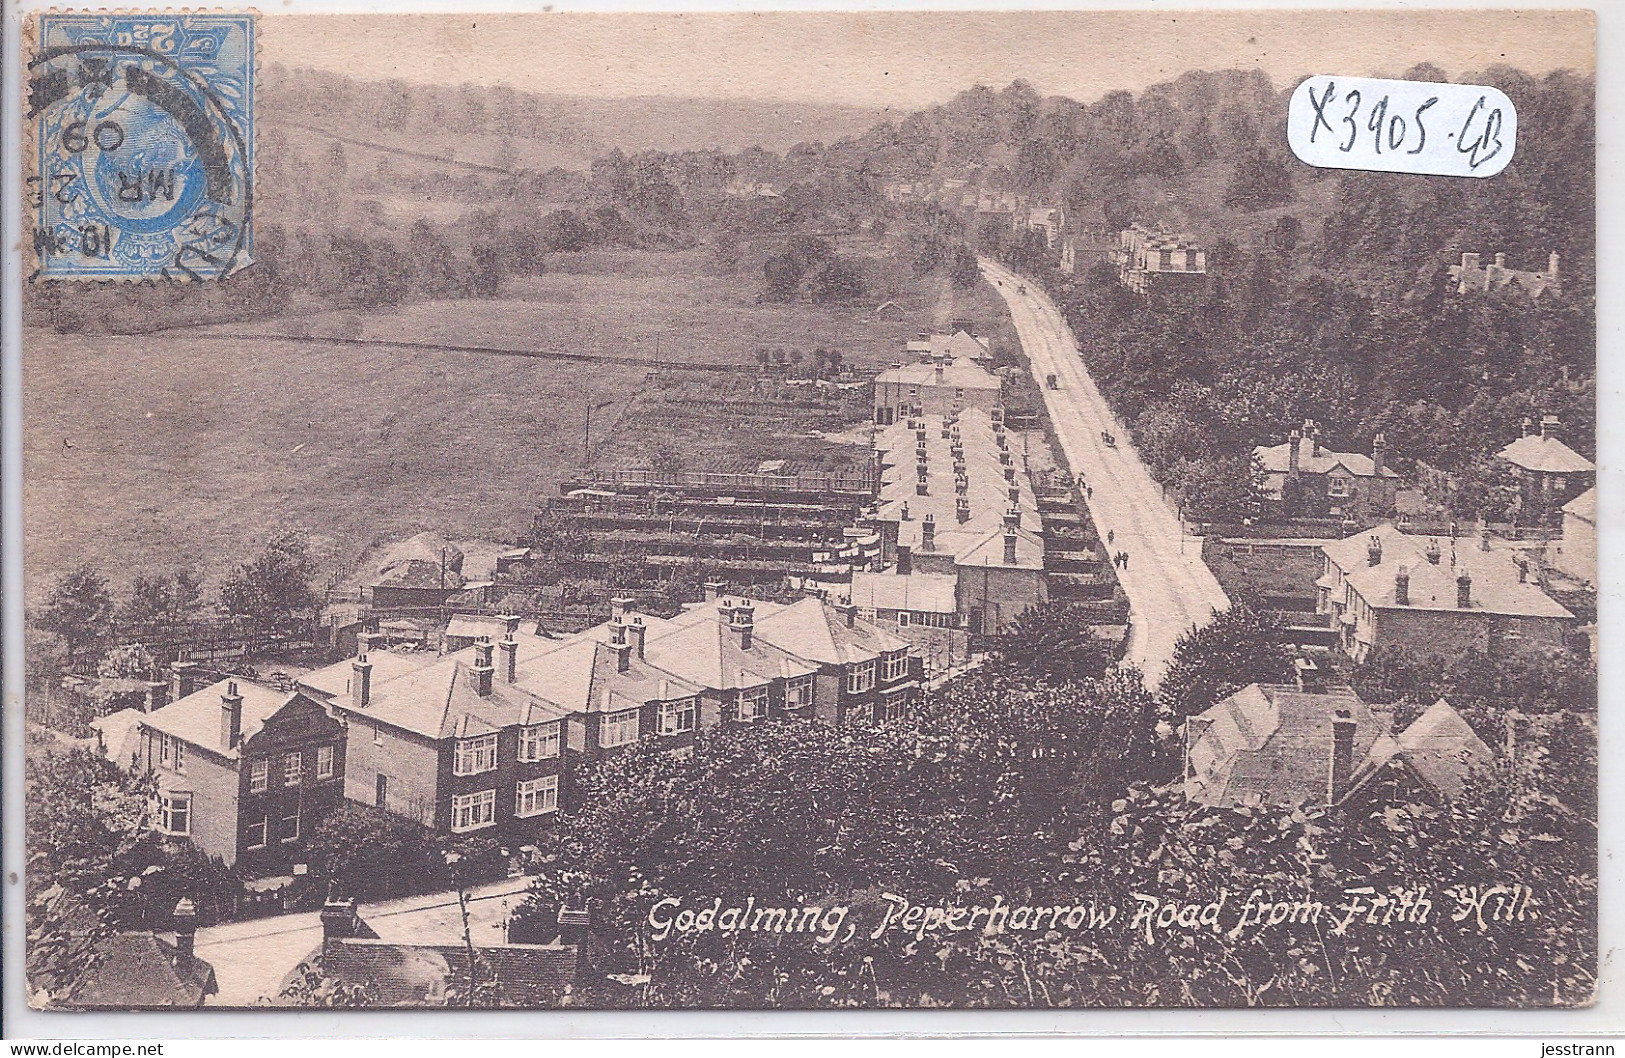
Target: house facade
244,771
1158,262
1303,478
1388,589
941,385
491,738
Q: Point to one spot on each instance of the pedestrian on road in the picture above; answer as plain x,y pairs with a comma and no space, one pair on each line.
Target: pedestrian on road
1125,560
1089,491
1111,535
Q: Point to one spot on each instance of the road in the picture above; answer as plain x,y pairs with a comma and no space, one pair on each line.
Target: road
251,958
1169,587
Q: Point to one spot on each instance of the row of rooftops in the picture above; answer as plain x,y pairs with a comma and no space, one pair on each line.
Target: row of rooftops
1538,450
719,645
1389,569
953,484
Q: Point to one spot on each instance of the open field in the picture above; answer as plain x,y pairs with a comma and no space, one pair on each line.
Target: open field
144,453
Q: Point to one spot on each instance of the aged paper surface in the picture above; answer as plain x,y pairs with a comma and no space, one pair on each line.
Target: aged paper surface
810,511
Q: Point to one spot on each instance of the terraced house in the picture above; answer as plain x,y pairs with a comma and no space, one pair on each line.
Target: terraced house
491,737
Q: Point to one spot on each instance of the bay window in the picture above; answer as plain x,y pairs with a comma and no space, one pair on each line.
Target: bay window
678,717
475,755
473,811
539,741
620,728
535,797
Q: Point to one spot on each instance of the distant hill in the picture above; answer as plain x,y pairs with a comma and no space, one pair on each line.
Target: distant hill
471,123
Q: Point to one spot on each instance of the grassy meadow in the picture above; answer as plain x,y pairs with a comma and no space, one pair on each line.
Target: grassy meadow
190,448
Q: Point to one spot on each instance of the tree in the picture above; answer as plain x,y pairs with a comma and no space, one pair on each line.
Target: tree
273,593
370,853
1054,642
77,610
1238,647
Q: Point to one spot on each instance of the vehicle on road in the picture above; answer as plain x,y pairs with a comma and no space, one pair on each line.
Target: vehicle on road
1108,439
1022,289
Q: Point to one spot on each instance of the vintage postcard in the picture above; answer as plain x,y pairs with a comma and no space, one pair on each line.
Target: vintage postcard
799,511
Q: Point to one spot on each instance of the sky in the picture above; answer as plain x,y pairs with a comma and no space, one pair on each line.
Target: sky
907,60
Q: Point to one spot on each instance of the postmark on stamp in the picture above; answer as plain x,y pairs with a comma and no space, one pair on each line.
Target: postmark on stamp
142,161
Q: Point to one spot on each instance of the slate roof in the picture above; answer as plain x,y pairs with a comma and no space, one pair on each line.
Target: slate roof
1545,455
138,971
958,345
1495,584
818,633
1272,745
196,718
959,373
917,592
989,551
1583,506
1277,459
1439,746
333,681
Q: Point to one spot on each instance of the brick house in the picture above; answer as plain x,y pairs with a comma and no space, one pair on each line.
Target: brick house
244,770
1385,588
1303,478
1549,472
940,386
490,737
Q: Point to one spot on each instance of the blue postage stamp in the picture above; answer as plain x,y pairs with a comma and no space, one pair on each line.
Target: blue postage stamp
143,139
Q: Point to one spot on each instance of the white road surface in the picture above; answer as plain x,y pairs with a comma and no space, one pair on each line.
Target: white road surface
1169,588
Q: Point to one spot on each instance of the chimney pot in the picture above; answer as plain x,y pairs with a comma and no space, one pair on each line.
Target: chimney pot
1373,552
713,589
1402,587
1500,260
338,921
482,670
510,658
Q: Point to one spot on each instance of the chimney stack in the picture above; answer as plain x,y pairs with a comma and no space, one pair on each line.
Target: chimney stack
905,560
1464,590
1549,427
1373,552
1379,454
1342,769
1009,546
635,632
1402,587
1294,439
743,623
619,605
713,589
1469,261
1551,264
1501,260
510,623
157,695
183,677
231,716
338,921
363,642
1433,552
361,681
848,612
928,533
185,918
510,658
482,669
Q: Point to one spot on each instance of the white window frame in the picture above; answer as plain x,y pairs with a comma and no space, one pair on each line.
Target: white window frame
180,757
619,728
298,827
798,692
860,678
263,829
1339,488
475,755
541,741
293,768
259,775
751,704
679,716
896,667
171,805
164,750
326,759
474,811
542,795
